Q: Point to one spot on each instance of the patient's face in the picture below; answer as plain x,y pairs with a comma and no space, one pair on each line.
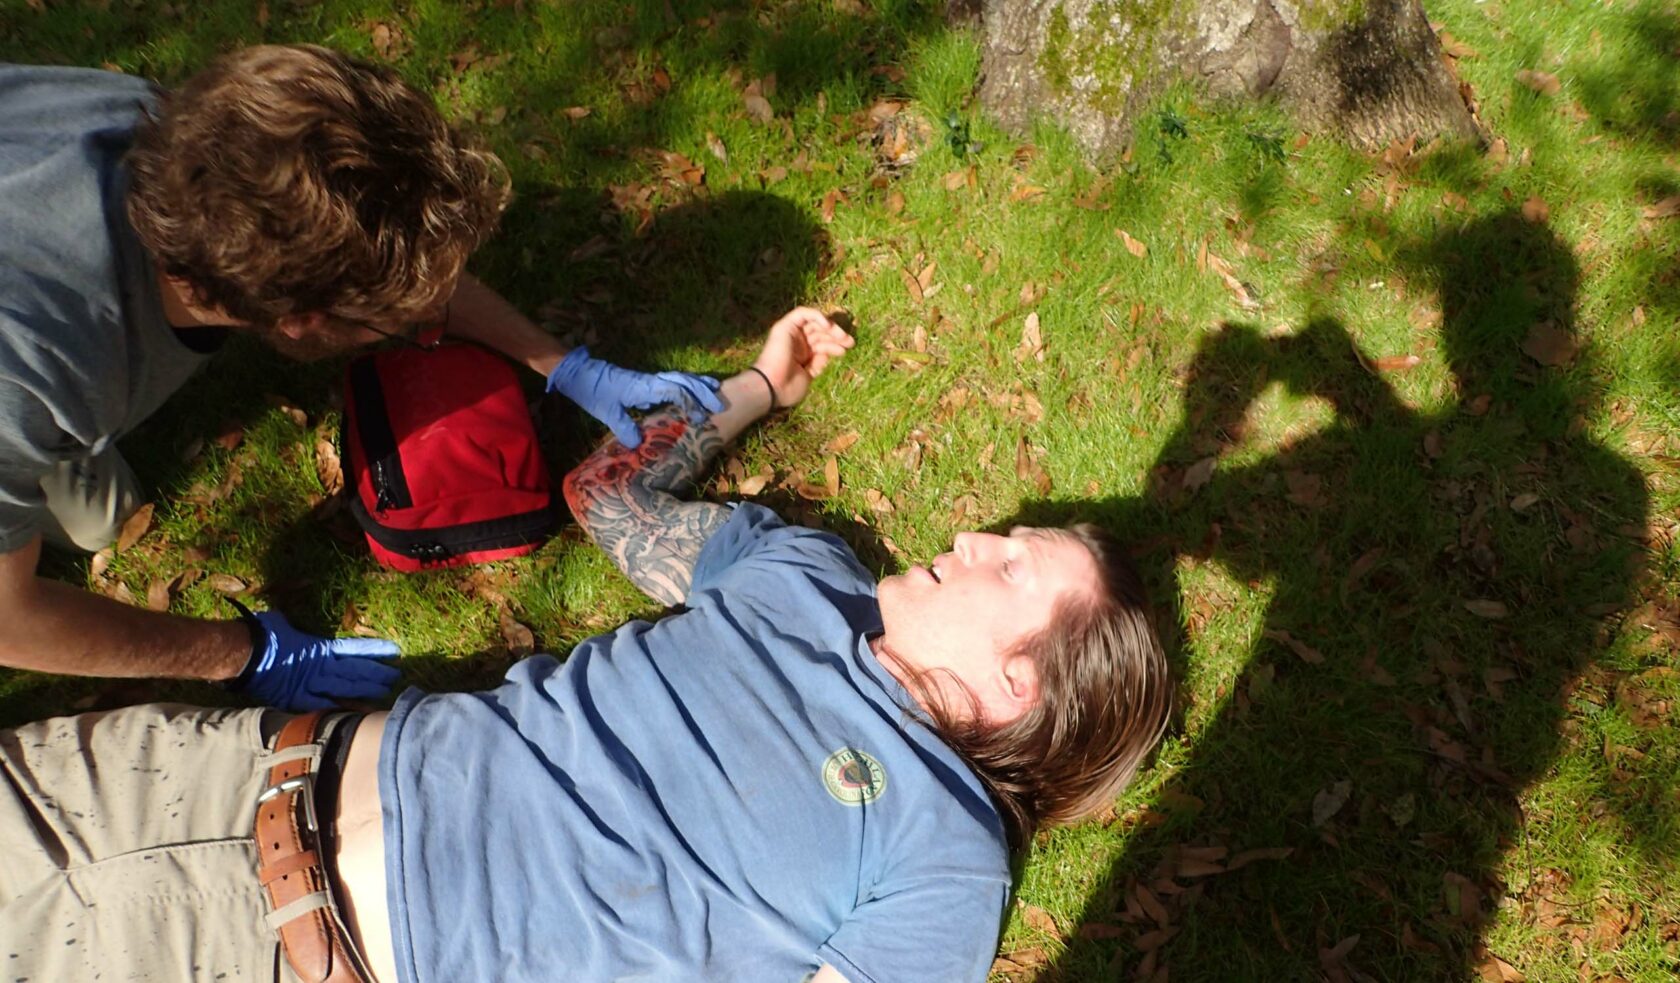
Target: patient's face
960,620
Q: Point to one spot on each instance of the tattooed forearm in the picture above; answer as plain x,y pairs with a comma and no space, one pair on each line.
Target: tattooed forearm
627,501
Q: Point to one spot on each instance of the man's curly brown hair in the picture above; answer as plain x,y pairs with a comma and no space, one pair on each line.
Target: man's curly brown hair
295,179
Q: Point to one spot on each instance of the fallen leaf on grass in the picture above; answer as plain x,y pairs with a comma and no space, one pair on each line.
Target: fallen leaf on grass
1247,857
519,639
1021,961
1549,345
1456,48
754,483
1535,211
895,202
757,106
1496,970
1040,920
1667,208
1395,363
831,475
714,143
1330,801
328,466
1308,654
159,593
1133,246
1544,83
1032,341
226,583
1200,473
1028,469
843,443
1524,502
576,112
1483,608
136,527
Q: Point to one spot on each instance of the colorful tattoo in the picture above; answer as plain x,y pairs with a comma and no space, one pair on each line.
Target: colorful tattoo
627,501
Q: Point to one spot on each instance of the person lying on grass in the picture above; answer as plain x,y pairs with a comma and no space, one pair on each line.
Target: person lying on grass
799,774
312,200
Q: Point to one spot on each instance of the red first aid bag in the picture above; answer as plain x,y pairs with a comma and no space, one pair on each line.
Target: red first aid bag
441,458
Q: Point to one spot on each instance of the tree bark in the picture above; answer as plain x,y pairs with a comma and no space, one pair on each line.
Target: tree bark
1367,71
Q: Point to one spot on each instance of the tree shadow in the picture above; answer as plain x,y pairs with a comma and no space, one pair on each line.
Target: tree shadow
1437,581
1634,90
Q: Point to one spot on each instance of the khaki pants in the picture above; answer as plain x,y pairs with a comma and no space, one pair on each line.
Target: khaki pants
125,848
88,499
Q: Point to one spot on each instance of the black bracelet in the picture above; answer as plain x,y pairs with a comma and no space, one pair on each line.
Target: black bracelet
767,384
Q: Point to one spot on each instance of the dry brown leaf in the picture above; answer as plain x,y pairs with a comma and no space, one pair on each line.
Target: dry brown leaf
1667,208
226,583
328,467
757,106
1536,211
842,443
912,286
1308,654
1027,467
159,593
1032,340
1549,345
1485,608
1040,920
1133,246
135,527
1456,48
877,502
1305,489
1496,970
1395,363
1524,502
754,483
100,563
895,202
1330,800
520,640
829,200
714,143
1247,857
576,112
1544,83
831,475
1199,474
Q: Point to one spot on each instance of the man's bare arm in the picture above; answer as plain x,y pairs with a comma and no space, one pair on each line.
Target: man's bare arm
55,627
629,500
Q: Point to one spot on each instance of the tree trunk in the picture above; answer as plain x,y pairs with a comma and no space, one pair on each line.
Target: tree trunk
1368,71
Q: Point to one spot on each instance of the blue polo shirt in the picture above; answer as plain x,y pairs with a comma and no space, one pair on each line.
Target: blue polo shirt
735,792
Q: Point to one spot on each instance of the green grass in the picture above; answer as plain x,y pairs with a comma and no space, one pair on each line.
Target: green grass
1512,781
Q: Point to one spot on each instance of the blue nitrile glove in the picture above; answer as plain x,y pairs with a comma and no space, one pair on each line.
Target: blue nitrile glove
606,391
294,670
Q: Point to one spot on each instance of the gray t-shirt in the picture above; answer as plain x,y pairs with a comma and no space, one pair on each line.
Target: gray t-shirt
85,351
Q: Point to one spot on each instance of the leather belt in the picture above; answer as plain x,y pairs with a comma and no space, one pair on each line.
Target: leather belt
292,868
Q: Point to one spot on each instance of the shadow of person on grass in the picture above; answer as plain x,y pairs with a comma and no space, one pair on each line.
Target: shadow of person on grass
1437,581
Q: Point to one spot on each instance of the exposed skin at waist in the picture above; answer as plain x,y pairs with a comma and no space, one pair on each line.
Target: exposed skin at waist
359,851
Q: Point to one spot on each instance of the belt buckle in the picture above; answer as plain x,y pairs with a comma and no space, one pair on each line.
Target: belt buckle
304,783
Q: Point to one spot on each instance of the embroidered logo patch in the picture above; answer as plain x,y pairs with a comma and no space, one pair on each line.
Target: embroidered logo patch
854,777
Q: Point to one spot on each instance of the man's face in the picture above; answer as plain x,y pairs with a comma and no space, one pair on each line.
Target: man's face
962,617
312,337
